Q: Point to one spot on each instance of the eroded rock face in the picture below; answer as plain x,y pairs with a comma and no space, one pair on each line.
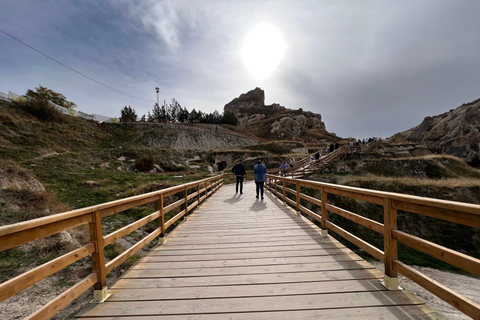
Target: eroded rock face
251,111
456,132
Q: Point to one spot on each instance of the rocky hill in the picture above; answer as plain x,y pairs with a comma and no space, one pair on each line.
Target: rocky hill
275,121
456,132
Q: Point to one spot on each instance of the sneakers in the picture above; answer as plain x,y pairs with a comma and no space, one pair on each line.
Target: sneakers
262,198
256,197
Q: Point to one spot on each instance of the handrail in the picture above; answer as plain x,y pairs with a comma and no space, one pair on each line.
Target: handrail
23,232
456,212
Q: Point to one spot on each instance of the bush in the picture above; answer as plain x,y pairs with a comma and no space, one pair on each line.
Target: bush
41,109
128,114
144,164
229,118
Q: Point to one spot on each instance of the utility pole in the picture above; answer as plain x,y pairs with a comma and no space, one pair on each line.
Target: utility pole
158,90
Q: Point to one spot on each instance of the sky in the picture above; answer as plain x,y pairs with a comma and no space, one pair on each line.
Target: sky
370,68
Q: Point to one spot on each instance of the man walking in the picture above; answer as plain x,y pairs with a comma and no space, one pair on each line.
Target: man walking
260,172
239,172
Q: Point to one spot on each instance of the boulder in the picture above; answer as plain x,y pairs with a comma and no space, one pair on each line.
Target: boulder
251,112
104,166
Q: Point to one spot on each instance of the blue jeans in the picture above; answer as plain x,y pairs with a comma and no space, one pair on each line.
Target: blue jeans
260,187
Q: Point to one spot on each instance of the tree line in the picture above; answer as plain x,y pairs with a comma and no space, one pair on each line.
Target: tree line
175,112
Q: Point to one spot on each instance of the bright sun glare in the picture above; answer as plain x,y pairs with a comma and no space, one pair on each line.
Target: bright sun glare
263,49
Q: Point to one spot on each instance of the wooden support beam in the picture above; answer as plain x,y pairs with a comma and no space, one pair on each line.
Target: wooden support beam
390,244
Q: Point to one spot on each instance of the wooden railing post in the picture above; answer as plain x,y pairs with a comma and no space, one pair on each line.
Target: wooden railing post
276,195
390,244
284,185
298,198
185,194
198,195
161,220
100,288
323,212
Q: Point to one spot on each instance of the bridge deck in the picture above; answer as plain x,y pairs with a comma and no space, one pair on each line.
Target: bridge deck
242,258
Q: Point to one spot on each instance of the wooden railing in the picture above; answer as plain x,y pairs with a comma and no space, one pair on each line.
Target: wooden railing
17,234
289,190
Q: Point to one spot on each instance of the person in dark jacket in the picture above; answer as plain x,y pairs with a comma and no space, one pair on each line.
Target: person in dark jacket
260,172
239,172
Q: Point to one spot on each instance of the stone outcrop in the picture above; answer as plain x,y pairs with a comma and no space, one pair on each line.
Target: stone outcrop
251,112
456,132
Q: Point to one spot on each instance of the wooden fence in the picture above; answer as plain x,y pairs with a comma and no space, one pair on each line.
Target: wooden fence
289,190
303,167
192,194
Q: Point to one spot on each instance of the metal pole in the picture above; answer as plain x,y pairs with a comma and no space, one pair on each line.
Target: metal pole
157,89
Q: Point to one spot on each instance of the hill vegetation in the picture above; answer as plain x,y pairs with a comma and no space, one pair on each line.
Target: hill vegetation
52,163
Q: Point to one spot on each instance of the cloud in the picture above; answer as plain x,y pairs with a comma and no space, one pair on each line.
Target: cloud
369,68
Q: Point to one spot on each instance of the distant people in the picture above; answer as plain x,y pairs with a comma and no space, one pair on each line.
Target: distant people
332,147
239,172
260,172
336,145
311,160
283,168
317,155
292,163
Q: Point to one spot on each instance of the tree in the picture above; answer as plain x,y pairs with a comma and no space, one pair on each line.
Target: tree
128,114
194,116
157,112
183,115
229,118
50,95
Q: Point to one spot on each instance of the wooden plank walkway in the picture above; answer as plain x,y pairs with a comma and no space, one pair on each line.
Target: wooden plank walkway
238,257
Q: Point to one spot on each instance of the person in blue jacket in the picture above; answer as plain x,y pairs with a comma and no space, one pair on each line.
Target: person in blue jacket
239,172
260,172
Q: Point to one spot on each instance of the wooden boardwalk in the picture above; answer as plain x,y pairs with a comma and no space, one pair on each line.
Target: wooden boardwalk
238,257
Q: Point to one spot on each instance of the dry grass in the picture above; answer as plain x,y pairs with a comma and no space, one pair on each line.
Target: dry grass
448,182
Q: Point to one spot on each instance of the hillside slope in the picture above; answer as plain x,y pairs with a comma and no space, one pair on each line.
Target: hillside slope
456,132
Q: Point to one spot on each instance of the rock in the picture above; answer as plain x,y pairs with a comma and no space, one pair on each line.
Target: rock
210,169
122,158
194,166
251,112
104,166
473,158
91,183
419,151
401,154
158,168
18,179
455,132
300,150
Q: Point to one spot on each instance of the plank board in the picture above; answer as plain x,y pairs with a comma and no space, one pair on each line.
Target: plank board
237,257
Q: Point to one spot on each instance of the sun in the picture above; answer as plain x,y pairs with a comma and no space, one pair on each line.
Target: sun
263,49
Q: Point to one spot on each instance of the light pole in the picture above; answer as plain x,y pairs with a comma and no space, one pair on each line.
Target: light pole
158,90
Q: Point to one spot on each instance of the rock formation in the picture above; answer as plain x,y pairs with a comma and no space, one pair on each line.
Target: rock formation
251,112
456,132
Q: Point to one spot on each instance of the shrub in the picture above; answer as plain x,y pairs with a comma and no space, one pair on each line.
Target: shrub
229,118
128,114
42,110
145,163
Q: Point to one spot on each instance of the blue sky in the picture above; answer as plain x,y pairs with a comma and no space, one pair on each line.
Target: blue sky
370,68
